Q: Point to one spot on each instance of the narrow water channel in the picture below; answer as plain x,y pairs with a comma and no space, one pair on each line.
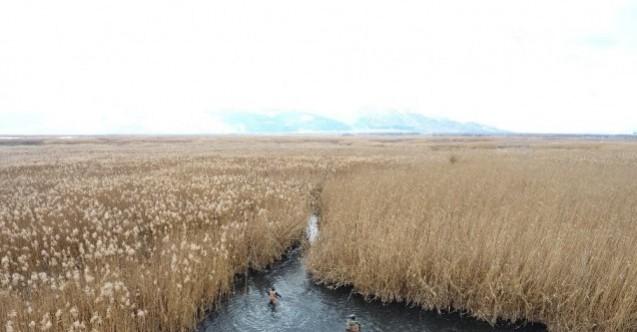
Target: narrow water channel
307,307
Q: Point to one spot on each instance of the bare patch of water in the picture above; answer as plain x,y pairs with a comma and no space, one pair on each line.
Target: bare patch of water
305,306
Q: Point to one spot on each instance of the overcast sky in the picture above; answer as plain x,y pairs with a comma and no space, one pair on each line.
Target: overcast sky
82,67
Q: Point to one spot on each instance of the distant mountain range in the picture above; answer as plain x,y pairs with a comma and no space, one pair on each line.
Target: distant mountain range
281,123
386,122
289,122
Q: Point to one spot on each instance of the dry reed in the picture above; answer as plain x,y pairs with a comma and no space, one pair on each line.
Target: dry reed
539,235
145,234
140,241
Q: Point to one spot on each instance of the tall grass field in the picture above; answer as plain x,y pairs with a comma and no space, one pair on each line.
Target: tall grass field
148,233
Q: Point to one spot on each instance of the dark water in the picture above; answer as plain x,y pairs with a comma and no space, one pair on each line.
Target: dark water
307,307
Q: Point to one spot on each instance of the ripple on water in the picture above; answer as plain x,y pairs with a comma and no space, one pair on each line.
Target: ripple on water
307,307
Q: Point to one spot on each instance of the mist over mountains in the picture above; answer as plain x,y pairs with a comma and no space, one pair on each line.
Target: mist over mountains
281,123
370,122
237,122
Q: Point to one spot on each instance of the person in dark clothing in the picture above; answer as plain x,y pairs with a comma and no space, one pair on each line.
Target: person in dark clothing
352,325
273,295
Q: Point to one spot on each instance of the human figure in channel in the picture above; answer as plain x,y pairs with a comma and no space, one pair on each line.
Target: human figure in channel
273,296
352,325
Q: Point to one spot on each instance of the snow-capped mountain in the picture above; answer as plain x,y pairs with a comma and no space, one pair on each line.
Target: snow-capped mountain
368,122
398,121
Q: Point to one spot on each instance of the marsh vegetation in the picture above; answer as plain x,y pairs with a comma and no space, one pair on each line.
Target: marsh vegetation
147,234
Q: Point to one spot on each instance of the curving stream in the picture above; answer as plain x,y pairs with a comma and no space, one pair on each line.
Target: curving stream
308,307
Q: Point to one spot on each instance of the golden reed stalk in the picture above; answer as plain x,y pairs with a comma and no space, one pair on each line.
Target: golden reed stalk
145,234
545,234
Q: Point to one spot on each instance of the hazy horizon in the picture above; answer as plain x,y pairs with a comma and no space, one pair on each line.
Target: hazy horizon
152,67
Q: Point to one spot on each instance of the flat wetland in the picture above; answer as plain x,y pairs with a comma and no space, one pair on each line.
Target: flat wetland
150,233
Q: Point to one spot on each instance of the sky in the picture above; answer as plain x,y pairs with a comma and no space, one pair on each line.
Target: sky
154,66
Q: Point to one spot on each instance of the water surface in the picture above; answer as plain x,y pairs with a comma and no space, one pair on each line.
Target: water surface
309,307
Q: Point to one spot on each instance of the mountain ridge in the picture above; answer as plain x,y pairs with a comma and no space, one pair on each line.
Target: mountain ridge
389,121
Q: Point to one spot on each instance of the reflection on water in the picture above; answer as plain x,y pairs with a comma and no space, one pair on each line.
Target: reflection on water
312,230
307,307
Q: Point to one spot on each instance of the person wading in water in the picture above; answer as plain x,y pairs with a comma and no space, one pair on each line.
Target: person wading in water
273,295
352,325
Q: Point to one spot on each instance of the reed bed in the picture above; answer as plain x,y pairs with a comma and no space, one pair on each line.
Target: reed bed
538,234
147,233
137,238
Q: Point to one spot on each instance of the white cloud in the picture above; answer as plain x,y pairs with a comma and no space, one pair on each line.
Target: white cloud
159,66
